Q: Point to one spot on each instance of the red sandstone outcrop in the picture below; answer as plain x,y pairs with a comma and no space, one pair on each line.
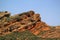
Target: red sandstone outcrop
24,21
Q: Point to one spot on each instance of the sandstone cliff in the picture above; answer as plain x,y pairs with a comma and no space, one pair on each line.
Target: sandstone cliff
26,21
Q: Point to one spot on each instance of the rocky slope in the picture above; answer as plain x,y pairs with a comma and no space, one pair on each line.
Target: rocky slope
27,21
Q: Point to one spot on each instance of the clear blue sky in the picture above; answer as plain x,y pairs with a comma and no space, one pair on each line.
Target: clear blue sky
48,9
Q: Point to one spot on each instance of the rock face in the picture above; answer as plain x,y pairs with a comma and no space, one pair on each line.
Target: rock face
4,14
21,22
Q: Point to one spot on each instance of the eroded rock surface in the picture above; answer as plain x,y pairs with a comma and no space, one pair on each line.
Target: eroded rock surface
25,21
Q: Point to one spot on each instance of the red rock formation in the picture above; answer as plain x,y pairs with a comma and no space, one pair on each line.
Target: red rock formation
25,21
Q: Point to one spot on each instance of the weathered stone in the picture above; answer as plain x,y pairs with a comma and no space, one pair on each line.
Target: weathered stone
4,14
26,21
